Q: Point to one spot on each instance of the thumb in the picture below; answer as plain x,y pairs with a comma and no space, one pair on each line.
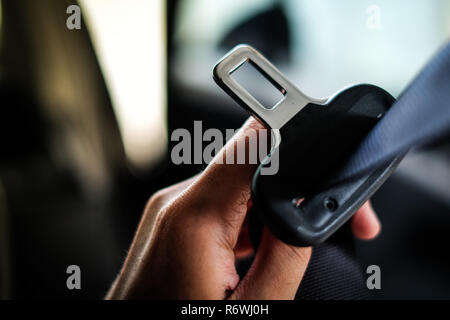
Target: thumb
276,272
224,186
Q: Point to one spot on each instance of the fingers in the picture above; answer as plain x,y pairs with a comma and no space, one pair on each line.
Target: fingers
276,271
224,187
226,171
244,246
154,205
365,224
278,268
166,195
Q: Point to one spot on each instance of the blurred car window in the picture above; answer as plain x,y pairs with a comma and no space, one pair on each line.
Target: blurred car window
331,44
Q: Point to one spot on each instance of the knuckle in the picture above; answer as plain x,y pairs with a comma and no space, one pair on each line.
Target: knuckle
157,200
183,228
163,220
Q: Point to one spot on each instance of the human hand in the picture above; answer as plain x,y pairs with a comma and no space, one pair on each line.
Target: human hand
192,233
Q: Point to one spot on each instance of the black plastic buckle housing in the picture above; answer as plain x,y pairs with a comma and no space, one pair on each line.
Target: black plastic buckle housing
314,139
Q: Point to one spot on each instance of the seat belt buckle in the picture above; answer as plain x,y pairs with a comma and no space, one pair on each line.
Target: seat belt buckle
307,200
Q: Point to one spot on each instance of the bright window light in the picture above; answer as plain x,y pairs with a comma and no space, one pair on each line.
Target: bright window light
129,38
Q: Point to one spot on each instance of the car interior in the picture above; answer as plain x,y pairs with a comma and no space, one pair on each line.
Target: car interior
87,117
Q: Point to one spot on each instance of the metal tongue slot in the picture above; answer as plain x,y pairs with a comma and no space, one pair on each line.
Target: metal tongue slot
293,101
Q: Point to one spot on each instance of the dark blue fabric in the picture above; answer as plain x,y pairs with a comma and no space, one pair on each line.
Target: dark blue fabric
421,115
